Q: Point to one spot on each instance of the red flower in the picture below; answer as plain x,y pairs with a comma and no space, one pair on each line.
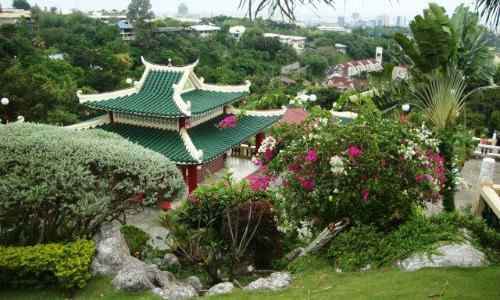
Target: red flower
166,205
307,184
268,154
365,194
259,183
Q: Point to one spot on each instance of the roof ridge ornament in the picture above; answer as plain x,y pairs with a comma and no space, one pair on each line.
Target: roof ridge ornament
197,154
169,67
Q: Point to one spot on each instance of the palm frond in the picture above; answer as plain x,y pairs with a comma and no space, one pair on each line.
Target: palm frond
490,10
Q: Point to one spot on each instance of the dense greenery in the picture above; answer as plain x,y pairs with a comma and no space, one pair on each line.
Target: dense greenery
66,184
136,239
60,265
225,227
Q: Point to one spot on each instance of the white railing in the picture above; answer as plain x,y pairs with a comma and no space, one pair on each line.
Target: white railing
485,150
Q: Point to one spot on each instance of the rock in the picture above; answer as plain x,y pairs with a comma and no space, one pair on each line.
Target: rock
113,259
111,251
221,288
276,281
195,282
134,276
170,260
432,209
452,255
179,291
366,268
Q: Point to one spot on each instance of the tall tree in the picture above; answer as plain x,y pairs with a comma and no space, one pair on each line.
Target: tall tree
285,7
139,11
490,9
21,4
182,10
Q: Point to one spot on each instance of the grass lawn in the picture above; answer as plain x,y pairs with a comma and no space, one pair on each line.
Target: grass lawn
323,284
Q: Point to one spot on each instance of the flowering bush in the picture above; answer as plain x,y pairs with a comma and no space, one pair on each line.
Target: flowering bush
228,122
373,170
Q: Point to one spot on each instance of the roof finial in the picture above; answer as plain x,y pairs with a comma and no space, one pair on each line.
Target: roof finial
170,62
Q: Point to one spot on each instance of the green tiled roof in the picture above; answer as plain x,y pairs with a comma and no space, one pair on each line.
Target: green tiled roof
203,101
207,137
168,143
155,98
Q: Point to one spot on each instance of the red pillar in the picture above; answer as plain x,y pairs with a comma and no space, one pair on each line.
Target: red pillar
192,178
259,138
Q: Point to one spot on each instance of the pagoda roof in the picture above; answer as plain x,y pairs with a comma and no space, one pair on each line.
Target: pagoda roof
166,92
199,144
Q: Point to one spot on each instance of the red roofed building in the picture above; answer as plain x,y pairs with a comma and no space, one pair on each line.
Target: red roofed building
294,116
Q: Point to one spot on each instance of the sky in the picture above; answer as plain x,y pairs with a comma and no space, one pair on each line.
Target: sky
368,9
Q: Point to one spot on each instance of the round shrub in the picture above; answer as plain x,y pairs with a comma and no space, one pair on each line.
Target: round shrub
373,171
64,184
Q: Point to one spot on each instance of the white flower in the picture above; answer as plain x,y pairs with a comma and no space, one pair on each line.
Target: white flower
337,165
305,231
269,143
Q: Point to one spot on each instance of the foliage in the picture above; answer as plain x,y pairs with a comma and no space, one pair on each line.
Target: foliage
418,234
285,7
333,171
21,4
442,99
64,265
224,228
434,41
382,249
67,183
139,11
136,239
490,9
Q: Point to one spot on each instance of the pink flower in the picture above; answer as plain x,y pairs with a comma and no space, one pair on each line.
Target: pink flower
228,122
424,177
354,152
365,194
259,183
311,156
307,184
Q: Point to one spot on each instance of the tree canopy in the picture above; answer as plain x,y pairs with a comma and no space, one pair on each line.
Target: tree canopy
21,4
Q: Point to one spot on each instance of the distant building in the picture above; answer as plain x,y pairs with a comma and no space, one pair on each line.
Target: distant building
126,30
205,30
56,56
341,21
13,16
341,48
107,18
170,29
333,28
237,31
297,42
341,76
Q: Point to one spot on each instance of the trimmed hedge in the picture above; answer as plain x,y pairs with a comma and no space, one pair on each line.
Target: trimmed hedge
63,265
67,183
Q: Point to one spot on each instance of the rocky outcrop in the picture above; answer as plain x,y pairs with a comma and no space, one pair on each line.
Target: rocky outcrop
221,288
452,255
170,261
195,282
113,259
276,281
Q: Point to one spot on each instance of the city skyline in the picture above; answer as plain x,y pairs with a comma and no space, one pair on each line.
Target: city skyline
367,9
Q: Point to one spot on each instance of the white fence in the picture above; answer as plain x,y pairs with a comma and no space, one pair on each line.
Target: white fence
485,150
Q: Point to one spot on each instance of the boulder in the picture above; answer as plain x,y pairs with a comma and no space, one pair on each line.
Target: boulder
276,281
111,251
131,274
195,282
452,255
170,260
221,288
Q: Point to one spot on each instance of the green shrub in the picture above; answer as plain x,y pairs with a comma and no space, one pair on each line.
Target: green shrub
363,245
64,265
373,171
225,227
66,183
136,238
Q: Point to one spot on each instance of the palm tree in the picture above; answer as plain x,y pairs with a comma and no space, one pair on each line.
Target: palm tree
285,7
489,9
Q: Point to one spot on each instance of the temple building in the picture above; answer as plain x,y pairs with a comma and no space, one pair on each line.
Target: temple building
172,111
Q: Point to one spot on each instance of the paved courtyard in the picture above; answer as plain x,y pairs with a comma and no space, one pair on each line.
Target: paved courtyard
240,168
